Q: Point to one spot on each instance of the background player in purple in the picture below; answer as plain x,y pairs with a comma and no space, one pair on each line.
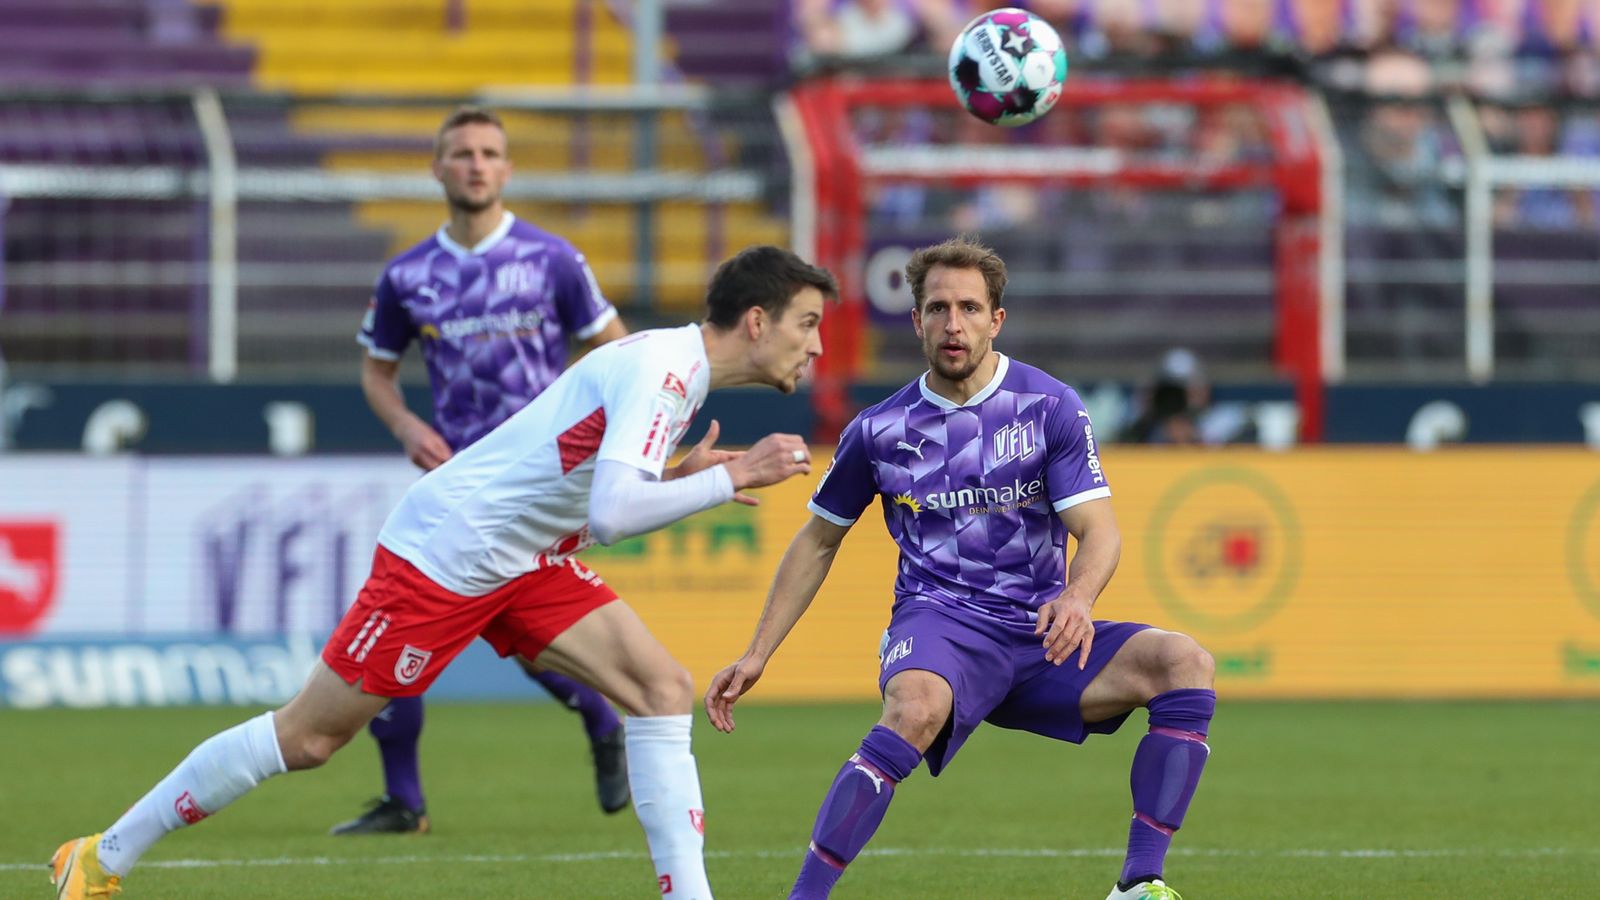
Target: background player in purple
494,302
983,466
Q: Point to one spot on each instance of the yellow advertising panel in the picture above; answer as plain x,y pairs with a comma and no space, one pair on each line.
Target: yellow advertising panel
1316,573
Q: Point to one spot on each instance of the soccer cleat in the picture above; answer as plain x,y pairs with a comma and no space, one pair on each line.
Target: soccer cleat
387,816
611,771
75,871
1155,889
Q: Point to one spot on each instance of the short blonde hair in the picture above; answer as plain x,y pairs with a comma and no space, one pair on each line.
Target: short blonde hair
464,115
963,252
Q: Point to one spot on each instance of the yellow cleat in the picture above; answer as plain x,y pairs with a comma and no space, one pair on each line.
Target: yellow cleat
76,873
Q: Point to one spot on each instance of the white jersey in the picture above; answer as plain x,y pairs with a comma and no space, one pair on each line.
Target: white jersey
518,499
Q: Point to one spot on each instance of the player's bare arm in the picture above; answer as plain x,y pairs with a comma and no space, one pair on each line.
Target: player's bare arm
800,575
1066,622
380,384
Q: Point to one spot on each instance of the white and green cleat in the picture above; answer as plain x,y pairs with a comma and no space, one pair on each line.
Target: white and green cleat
1155,889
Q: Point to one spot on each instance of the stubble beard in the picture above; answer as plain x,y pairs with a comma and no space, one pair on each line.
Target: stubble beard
470,206
949,371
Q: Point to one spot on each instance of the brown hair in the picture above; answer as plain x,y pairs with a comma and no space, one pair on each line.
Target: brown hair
464,115
963,252
764,276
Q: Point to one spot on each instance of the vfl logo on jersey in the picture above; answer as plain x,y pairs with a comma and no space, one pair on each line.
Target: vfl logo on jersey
1091,459
675,385
896,653
1014,441
697,818
902,445
526,277
408,668
188,810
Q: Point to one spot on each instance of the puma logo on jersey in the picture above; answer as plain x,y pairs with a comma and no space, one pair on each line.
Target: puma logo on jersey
902,445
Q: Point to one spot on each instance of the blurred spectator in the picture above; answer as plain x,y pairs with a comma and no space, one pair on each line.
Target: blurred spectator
1168,409
1544,36
1433,29
1119,28
864,28
1394,182
1179,22
1318,27
1536,131
1176,408
1232,134
1240,25
1582,138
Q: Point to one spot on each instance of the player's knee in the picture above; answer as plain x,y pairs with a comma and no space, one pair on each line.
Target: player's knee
307,751
918,721
669,692
1183,663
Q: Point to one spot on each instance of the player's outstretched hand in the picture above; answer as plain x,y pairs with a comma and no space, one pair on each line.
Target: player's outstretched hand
773,458
423,445
704,456
1066,626
727,687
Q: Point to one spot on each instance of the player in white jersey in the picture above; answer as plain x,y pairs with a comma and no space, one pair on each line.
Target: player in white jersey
493,301
483,546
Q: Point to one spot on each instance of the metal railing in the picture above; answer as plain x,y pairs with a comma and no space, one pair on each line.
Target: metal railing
359,162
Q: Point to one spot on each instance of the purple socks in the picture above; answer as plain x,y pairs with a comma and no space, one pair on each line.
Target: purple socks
853,809
599,719
1166,771
397,729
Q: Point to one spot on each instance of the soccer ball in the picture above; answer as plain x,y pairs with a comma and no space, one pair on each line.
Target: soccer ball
1007,67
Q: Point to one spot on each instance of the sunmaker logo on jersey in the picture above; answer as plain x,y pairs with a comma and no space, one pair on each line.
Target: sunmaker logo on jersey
486,325
978,501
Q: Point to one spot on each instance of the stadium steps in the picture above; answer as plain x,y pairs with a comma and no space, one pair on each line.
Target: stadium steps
409,47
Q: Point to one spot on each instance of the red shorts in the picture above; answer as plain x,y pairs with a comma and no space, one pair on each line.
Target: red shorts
404,628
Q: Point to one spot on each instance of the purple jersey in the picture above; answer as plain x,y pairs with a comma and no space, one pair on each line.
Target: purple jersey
971,492
493,320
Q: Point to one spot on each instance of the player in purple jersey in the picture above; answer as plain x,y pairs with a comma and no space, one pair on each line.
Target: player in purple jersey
983,466
494,302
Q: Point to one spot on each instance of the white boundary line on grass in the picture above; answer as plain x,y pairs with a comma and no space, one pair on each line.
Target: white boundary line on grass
795,853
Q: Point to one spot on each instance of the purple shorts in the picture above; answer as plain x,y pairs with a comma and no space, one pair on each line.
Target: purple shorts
997,672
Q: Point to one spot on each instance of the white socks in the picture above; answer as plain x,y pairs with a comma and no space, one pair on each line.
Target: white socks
219,771
666,797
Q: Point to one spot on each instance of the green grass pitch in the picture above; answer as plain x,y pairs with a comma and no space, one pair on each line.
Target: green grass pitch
1301,800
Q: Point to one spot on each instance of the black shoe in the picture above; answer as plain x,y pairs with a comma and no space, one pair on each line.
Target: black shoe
387,816
611,771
